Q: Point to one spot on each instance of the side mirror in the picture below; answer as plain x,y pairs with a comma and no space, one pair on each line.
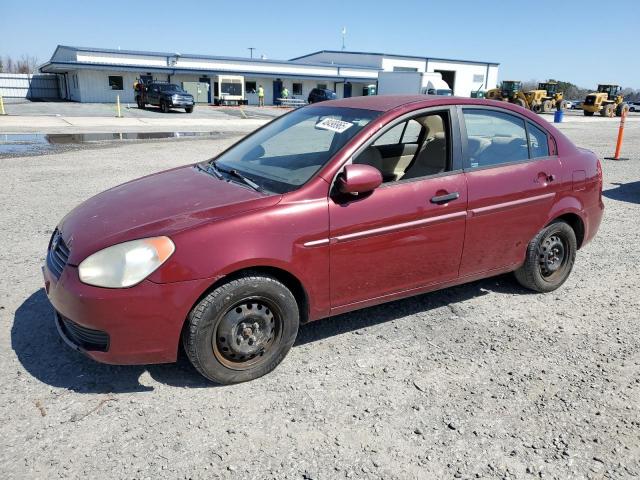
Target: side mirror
357,178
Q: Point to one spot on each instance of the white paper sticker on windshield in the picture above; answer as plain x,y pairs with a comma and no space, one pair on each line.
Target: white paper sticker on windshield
334,125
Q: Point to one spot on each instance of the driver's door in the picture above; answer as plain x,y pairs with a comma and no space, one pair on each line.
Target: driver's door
402,236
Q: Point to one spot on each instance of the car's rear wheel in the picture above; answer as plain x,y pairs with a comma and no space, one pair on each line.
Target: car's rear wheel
242,329
549,258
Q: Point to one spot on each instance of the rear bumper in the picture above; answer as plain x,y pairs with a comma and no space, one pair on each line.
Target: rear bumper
141,324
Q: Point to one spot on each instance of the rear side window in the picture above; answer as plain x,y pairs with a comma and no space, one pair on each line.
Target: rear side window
494,138
538,141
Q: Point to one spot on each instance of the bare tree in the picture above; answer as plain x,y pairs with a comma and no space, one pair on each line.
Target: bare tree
26,64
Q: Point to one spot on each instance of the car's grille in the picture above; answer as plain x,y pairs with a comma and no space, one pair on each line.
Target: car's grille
590,100
58,254
182,99
84,337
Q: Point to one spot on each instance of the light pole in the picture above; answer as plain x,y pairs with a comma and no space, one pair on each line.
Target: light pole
251,49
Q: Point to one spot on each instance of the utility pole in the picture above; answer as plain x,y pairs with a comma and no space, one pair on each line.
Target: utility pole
251,49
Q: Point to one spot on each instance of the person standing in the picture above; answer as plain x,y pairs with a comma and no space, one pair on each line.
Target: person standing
260,96
285,93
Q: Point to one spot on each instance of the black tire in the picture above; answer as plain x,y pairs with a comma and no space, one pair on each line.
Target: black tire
520,102
587,113
620,108
549,259
220,328
164,107
188,109
547,105
608,110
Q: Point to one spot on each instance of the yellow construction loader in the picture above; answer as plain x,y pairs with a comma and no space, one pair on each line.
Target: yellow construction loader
509,91
545,98
607,100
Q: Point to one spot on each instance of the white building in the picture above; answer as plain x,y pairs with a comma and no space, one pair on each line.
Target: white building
99,75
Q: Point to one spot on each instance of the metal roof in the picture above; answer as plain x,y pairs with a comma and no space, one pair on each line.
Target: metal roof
394,55
204,57
56,66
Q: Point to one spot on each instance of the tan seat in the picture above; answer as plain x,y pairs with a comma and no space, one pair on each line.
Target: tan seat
370,156
432,157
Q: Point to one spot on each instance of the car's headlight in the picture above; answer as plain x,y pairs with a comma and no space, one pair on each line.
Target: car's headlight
127,263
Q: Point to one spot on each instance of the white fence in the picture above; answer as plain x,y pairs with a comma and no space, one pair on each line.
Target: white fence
20,85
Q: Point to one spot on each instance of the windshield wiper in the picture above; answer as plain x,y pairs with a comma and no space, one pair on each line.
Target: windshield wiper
234,173
210,169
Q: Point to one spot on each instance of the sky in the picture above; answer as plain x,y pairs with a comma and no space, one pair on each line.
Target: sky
533,41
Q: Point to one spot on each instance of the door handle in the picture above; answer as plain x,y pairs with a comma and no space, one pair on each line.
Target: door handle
440,199
544,178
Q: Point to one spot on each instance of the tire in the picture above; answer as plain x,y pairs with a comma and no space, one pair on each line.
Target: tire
241,330
520,102
164,107
608,110
547,106
587,113
549,259
620,108
188,109
536,108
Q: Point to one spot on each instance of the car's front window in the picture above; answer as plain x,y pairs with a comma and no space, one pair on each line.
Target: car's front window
287,152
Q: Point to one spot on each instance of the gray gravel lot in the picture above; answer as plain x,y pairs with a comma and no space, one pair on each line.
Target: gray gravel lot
483,380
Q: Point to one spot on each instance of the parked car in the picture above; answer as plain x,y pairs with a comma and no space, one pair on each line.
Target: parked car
576,104
163,95
320,95
634,106
325,210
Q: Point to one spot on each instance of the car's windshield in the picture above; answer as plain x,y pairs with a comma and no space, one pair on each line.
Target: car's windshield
170,88
287,152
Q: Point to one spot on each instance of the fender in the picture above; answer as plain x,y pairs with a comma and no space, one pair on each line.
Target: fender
567,204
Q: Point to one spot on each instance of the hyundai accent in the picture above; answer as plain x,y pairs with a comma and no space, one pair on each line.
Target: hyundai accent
330,208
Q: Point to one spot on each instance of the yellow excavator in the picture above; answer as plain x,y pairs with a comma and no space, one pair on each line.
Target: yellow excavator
607,100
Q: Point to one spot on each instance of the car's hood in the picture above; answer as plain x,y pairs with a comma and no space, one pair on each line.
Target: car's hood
160,204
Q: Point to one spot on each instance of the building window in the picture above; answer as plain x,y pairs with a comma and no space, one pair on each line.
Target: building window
405,69
323,86
116,82
297,89
250,87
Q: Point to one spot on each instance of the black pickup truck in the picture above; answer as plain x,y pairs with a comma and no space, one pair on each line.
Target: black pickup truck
163,95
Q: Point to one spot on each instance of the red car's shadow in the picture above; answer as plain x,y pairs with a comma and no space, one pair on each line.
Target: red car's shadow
44,355
624,192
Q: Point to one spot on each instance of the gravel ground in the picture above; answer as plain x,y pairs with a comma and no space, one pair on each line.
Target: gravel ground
483,380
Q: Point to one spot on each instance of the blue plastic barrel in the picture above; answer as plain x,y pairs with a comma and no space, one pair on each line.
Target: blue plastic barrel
558,116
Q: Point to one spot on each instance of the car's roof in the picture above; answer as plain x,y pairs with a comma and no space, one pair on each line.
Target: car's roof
385,103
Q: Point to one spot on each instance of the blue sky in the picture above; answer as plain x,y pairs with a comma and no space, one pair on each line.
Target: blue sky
532,40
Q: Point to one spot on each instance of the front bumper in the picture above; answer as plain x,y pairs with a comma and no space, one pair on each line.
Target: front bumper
181,103
142,324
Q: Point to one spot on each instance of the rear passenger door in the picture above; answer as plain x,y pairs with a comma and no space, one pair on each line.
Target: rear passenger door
513,176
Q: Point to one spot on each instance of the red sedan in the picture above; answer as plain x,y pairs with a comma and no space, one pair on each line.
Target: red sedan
325,210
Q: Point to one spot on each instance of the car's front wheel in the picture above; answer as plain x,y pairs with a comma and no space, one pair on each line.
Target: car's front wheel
242,330
188,109
164,107
549,258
